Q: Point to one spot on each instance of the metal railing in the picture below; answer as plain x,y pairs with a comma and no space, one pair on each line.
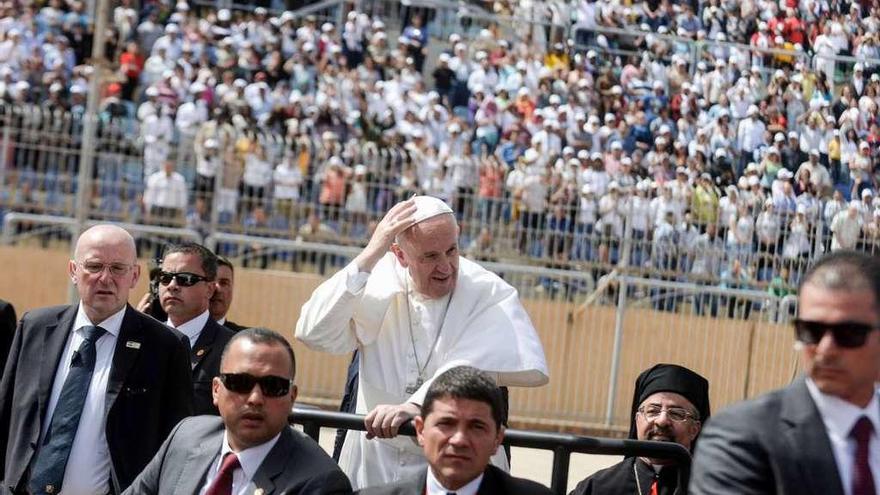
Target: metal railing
562,445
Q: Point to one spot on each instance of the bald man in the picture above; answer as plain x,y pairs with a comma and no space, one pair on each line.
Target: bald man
413,308
91,390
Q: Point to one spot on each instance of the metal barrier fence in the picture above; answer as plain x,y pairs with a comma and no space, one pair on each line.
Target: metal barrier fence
562,445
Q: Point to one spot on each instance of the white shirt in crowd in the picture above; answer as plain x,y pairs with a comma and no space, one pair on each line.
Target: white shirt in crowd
166,190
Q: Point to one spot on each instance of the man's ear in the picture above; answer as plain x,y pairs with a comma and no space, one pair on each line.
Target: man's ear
419,424
499,438
399,254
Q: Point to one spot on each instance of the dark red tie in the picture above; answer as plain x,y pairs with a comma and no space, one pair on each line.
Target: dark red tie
222,484
863,479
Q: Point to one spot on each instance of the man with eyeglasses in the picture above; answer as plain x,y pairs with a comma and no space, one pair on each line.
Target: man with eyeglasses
250,448
670,403
819,434
186,284
90,390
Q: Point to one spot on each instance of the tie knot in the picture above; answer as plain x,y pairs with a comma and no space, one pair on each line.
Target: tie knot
230,463
93,333
862,429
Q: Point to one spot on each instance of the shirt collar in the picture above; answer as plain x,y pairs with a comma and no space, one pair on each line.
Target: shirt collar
434,487
251,458
193,327
222,321
839,415
111,324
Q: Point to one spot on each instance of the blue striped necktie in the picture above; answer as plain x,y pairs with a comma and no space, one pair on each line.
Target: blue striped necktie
51,462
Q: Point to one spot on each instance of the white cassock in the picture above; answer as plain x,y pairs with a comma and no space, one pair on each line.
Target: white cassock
485,326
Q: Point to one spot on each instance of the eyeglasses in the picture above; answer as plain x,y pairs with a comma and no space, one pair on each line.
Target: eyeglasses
677,414
184,279
243,383
96,267
849,334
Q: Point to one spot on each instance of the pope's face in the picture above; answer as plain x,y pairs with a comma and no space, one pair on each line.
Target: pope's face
429,250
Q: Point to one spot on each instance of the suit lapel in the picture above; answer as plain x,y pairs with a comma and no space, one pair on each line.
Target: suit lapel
128,346
198,463
203,344
489,485
54,339
273,465
804,431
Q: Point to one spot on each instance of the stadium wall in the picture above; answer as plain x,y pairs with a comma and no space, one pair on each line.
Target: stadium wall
741,358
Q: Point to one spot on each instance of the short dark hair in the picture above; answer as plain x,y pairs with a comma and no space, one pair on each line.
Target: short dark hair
259,335
846,270
224,261
209,259
465,382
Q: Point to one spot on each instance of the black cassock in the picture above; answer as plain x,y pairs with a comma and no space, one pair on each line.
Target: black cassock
621,479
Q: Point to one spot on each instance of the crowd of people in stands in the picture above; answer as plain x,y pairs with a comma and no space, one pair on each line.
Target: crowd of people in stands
300,126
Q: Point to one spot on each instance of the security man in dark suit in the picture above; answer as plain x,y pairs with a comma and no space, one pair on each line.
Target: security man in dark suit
186,285
90,391
221,301
817,436
7,330
459,428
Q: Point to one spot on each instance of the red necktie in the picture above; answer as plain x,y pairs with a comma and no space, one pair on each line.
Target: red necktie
222,484
655,489
863,479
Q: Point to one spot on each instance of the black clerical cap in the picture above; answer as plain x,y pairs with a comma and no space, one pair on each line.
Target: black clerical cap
671,378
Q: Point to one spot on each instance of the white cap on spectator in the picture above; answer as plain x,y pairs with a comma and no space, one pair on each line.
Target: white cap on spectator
587,189
779,137
772,150
609,117
568,150
753,110
867,193
150,138
801,209
360,169
858,67
591,54
742,183
260,11
167,73
223,15
78,89
197,87
855,204
239,83
658,85
754,180
720,152
864,145
784,174
480,55
378,24
326,27
454,38
814,152
616,90
555,99
171,28
210,143
531,155
583,155
681,171
664,129
443,58
792,135
616,145
595,156
626,161
613,186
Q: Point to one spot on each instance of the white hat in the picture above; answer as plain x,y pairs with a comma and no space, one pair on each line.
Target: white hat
530,155
429,207
754,180
583,155
223,15
587,189
210,143
616,145
801,209
784,174
779,137
867,192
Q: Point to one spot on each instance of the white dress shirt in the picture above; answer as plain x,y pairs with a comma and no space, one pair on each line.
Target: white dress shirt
88,467
249,462
192,328
434,487
168,191
839,417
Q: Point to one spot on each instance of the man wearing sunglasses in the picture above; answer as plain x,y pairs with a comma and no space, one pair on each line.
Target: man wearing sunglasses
819,434
186,284
250,448
91,390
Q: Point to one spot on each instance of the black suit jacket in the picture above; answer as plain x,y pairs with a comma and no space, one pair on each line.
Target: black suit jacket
7,330
295,465
148,392
776,443
495,482
235,327
205,362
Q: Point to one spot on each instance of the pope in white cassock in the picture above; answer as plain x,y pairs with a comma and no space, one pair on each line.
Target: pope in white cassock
414,308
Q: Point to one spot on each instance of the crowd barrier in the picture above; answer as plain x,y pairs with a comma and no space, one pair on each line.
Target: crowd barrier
561,445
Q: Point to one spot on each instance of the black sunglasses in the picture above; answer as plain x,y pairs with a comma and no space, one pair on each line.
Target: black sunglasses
243,383
848,334
184,279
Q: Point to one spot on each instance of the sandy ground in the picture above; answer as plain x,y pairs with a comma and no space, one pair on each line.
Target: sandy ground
532,464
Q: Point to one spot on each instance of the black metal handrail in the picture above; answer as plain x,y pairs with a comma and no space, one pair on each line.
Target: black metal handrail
562,444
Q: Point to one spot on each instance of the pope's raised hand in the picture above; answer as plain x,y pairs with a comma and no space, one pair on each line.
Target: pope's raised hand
399,218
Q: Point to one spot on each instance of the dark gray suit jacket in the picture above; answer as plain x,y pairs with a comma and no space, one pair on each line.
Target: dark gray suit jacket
495,482
776,443
205,362
148,391
295,465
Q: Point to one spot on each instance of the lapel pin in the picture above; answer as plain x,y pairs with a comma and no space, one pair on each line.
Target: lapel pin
258,491
133,345
200,352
